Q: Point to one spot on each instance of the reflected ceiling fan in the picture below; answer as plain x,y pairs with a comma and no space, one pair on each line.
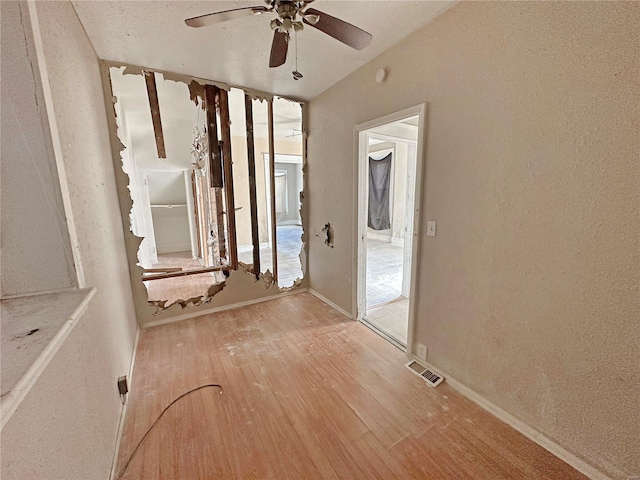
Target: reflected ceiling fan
291,16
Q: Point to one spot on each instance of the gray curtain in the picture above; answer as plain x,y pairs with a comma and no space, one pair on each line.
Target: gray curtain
379,182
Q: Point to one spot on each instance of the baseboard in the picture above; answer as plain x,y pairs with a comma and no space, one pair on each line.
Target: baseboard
330,303
529,432
233,306
123,412
173,249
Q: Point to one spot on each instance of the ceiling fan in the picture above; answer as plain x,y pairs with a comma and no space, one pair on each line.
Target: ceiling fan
291,16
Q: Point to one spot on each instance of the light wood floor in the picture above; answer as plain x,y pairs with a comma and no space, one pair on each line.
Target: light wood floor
180,288
307,394
392,318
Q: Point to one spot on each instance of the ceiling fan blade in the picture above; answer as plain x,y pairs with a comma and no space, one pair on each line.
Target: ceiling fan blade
278,49
218,17
339,29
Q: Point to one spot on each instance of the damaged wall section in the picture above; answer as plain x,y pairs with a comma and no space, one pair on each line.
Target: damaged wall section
219,238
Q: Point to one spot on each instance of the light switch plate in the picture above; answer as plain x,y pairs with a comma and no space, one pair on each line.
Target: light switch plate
431,229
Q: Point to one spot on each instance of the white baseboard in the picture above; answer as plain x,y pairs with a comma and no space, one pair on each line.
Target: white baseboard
330,303
529,432
161,250
123,412
233,306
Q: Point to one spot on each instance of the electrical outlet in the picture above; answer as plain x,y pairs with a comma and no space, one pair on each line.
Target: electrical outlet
431,229
422,352
123,388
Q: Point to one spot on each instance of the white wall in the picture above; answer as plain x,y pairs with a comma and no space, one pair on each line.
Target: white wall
36,251
66,426
529,292
170,225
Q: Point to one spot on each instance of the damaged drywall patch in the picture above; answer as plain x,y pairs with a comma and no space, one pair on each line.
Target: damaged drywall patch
329,234
161,305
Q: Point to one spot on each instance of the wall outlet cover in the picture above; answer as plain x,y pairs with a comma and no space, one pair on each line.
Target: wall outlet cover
422,351
431,229
123,387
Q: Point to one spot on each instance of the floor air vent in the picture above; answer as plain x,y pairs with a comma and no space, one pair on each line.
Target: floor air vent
432,378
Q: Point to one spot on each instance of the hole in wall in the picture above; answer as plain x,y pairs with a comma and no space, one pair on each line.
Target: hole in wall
201,208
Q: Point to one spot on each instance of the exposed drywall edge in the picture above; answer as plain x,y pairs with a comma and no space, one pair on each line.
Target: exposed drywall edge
529,432
330,303
122,182
123,413
12,400
57,148
223,308
181,77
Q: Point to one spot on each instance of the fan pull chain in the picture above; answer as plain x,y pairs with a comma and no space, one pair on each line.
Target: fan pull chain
296,74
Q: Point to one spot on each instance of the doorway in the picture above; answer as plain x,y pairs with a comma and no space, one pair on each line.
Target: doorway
389,181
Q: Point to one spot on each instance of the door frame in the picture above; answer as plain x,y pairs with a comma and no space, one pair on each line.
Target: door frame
361,147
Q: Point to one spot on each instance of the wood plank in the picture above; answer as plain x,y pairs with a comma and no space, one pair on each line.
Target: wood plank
203,210
253,200
184,273
222,244
227,165
160,270
307,394
272,181
215,161
152,93
196,212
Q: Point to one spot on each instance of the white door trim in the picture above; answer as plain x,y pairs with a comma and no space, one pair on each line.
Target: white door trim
361,144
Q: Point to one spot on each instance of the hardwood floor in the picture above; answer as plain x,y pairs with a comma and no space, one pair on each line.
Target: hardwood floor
307,394
392,318
180,288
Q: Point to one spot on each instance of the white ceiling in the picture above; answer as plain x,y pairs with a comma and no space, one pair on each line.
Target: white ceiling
153,34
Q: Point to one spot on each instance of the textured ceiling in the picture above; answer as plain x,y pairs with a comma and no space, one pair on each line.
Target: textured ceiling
153,34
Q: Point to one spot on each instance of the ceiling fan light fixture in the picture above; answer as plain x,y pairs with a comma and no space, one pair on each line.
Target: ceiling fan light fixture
312,18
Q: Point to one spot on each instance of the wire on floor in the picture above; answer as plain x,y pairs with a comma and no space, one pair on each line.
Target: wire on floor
126,465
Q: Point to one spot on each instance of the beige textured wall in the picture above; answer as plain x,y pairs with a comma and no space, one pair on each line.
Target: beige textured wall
529,294
67,424
36,250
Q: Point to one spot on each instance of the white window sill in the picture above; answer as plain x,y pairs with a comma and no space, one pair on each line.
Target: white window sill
32,330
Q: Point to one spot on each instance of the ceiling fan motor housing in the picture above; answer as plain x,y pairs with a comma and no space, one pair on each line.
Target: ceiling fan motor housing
287,16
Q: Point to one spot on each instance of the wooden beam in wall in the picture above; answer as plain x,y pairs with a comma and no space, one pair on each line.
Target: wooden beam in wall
225,132
215,161
272,180
196,211
253,199
217,192
183,273
152,93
